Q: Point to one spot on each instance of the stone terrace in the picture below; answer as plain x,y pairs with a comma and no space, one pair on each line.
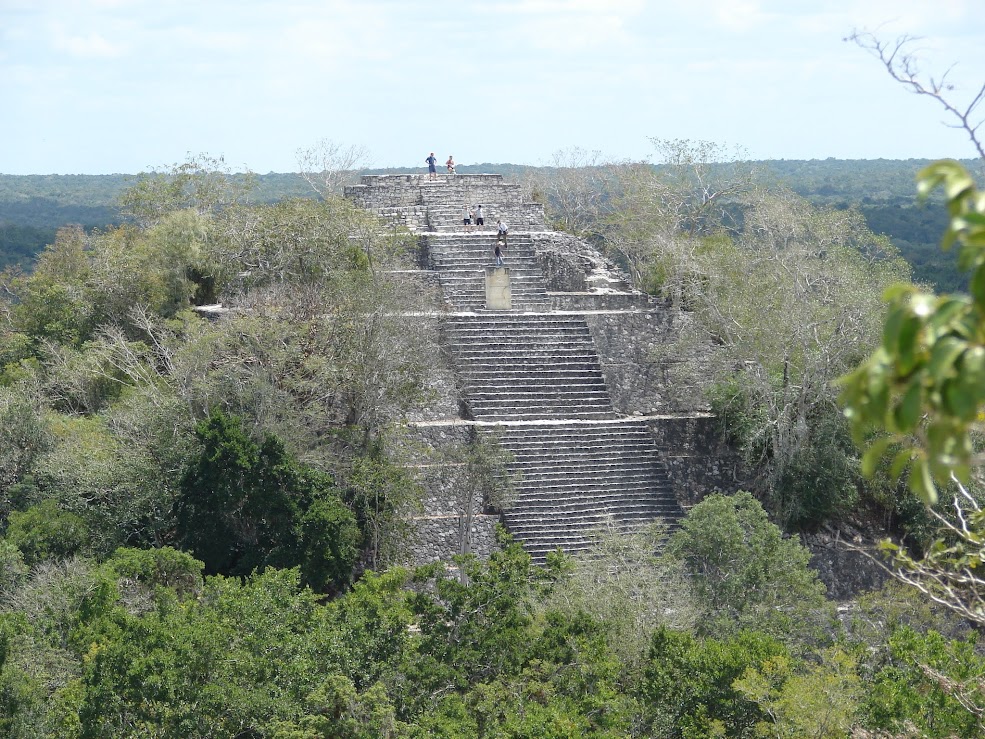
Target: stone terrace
436,205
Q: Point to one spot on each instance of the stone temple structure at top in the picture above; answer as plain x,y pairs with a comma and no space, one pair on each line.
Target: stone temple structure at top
555,356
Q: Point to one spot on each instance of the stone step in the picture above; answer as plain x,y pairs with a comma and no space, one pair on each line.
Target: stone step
497,393
573,525
512,323
548,486
542,414
581,522
493,390
520,412
531,349
573,515
519,394
544,376
555,456
520,359
557,405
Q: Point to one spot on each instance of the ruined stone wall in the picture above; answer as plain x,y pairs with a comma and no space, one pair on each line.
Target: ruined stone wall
845,571
441,397
571,265
699,461
645,369
443,526
438,538
390,191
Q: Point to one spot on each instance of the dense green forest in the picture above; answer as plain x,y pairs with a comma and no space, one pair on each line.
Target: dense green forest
32,207
203,520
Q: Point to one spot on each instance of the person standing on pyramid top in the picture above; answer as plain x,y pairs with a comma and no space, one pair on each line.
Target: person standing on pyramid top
450,164
432,166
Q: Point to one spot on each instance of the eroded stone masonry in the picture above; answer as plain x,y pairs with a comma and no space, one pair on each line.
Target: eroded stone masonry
565,379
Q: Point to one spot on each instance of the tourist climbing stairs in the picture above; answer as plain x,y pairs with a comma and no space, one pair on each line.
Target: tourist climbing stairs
461,259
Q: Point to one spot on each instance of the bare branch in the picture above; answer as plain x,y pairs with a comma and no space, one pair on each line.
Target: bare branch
328,164
901,62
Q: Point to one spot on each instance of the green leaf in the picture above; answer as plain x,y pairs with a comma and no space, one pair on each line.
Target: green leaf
873,454
900,461
978,286
906,346
907,412
896,292
921,482
923,304
959,399
973,367
891,330
942,359
948,309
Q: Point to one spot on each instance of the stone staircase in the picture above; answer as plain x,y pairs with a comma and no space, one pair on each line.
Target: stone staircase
574,478
530,376
522,367
460,261
535,379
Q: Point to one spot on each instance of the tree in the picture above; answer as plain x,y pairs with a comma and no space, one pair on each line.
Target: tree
576,187
924,682
152,571
779,297
746,575
792,301
921,394
327,165
476,476
658,210
931,364
243,506
473,628
203,183
903,66
23,438
818,701
623,583
45,532
383,495
688,686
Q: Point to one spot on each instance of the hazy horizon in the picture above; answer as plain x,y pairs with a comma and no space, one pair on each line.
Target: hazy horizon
124,86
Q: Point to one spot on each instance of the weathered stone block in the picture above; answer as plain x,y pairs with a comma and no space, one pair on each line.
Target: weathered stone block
499,295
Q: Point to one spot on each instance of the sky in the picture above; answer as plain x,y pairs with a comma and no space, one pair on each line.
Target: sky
123,86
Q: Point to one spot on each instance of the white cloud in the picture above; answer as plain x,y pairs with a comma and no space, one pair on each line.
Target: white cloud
210,40
738,16
86,46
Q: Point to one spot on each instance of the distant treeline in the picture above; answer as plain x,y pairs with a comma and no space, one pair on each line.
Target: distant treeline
33,207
